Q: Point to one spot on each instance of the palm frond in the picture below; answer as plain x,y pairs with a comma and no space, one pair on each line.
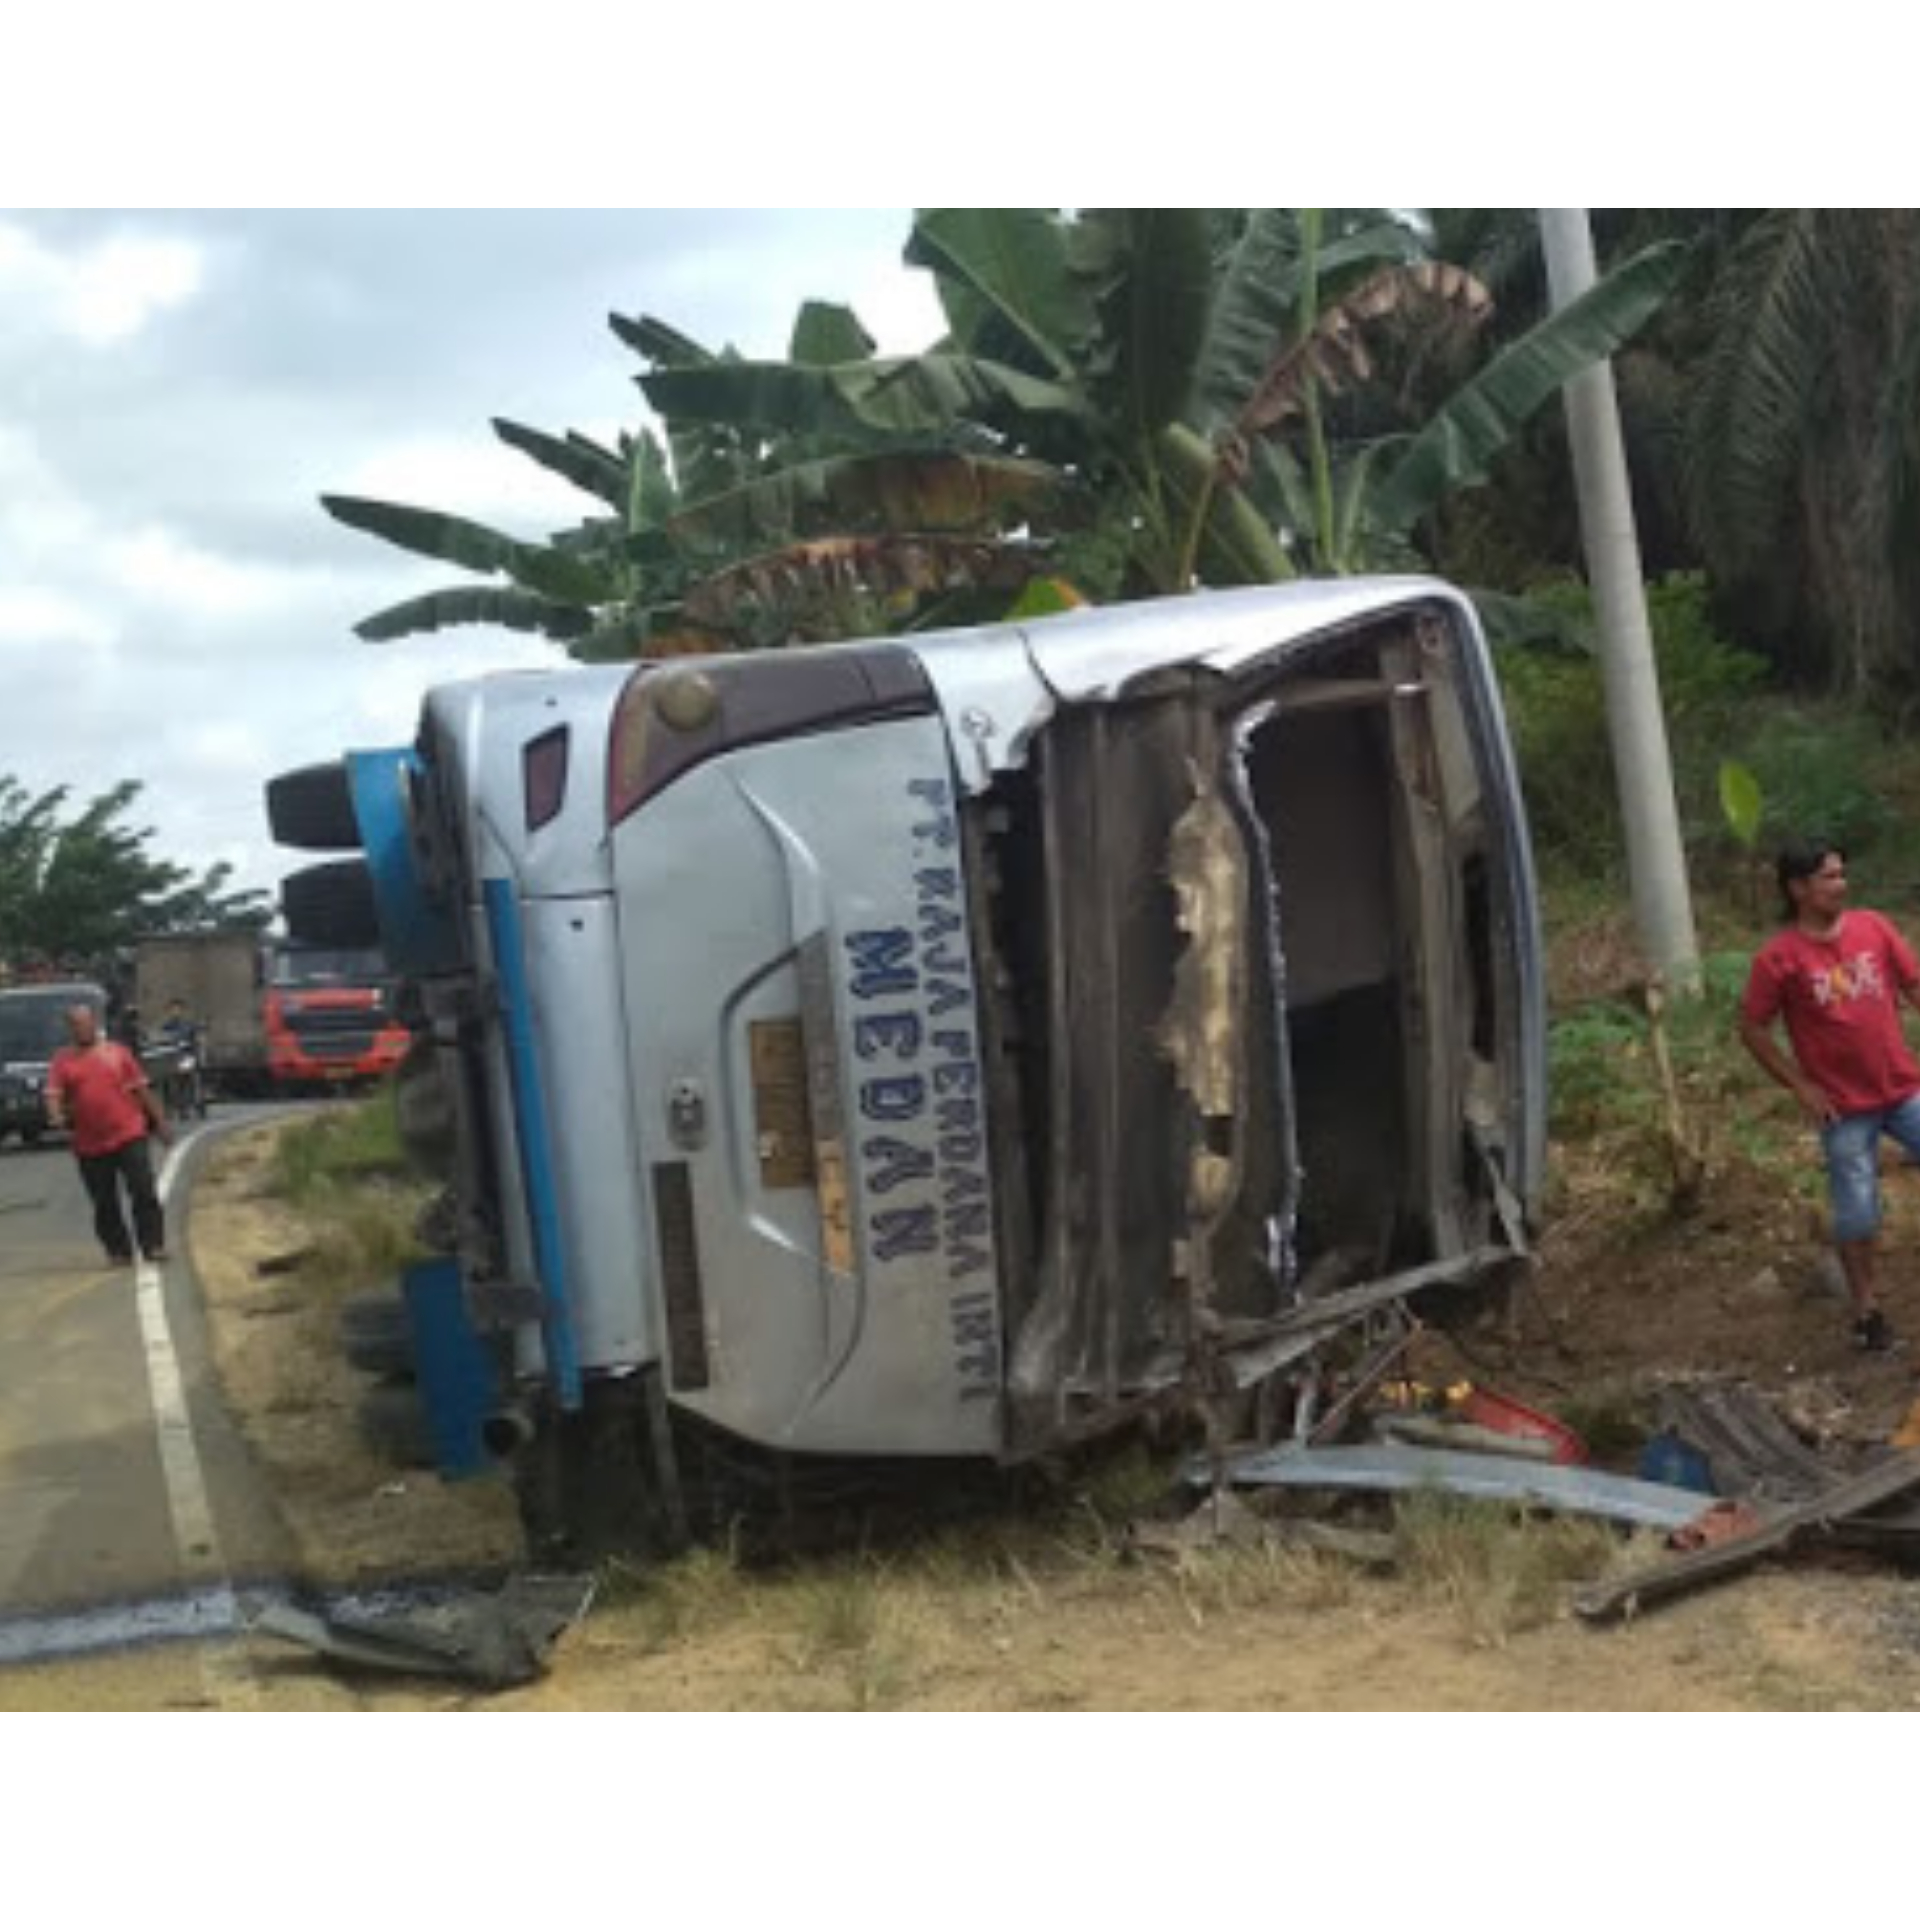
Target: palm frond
1772,334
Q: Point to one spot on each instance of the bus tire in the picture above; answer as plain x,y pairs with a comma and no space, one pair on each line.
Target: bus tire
312,809
375,1334
331,905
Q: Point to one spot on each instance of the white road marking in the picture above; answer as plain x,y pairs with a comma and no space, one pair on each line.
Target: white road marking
179,1455
187,1504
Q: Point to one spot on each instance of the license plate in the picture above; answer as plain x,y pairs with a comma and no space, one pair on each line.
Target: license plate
783,1128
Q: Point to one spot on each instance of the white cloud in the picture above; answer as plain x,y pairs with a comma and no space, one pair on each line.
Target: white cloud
101,293
157,564
39,513
475,476
112,292
227,746
34,616
901,310
174,607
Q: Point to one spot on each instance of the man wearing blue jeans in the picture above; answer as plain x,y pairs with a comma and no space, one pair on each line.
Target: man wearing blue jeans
1836,975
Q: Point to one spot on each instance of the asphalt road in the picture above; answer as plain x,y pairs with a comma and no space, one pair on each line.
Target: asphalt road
124,1490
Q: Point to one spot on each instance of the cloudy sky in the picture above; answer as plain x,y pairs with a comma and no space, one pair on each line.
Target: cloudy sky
177,388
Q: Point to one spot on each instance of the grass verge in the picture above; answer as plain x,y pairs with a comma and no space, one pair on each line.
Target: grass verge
345,1175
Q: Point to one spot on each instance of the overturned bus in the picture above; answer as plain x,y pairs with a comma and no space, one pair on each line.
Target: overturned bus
945,1047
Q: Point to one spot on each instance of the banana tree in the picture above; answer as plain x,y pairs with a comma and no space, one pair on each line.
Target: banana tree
594,587
1370,491
762,531
1177,365
1132,402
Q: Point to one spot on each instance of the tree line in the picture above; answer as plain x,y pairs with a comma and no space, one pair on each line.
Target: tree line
78,886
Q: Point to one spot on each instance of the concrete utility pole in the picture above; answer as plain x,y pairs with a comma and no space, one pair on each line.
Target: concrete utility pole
1636,722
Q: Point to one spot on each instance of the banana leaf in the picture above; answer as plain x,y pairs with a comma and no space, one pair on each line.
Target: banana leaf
648,631
1277,484
477,607
906,492
1333,354
1351,511
1237,547
1044,596
659,343
914,395
1741,801
1250,317
1454,449
1255,310
654,498
465,543
576,459
1154,315
824,335
707,458
599,542
894,571
1357,256
1016,260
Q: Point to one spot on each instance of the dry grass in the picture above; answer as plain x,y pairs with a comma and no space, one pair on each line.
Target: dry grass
345,1177
855,1628
1496,1572
272,1275
1261,1575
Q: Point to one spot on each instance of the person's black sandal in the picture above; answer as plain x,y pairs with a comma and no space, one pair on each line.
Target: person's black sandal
1872,1334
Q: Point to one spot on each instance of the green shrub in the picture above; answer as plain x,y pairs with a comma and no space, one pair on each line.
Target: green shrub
1557,713
1822,768
1597,1076
345,1174
1813,769
1557,718
356,1143
1602,1074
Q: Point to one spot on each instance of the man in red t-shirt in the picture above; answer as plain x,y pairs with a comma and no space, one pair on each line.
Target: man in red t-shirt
96,1087
1836,975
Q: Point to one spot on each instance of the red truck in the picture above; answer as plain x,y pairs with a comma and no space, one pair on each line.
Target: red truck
329,1016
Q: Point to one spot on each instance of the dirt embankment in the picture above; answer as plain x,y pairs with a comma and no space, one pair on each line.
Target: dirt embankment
1745,1285
1032,1618
271,1312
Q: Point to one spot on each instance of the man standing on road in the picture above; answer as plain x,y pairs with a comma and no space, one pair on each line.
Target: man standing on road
1833,973
97,1088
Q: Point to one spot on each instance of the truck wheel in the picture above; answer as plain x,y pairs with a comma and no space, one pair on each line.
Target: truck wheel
375,1334
331,905
312,808
392,1422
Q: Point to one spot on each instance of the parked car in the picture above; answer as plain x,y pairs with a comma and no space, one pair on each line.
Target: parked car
32,1030
948,1047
